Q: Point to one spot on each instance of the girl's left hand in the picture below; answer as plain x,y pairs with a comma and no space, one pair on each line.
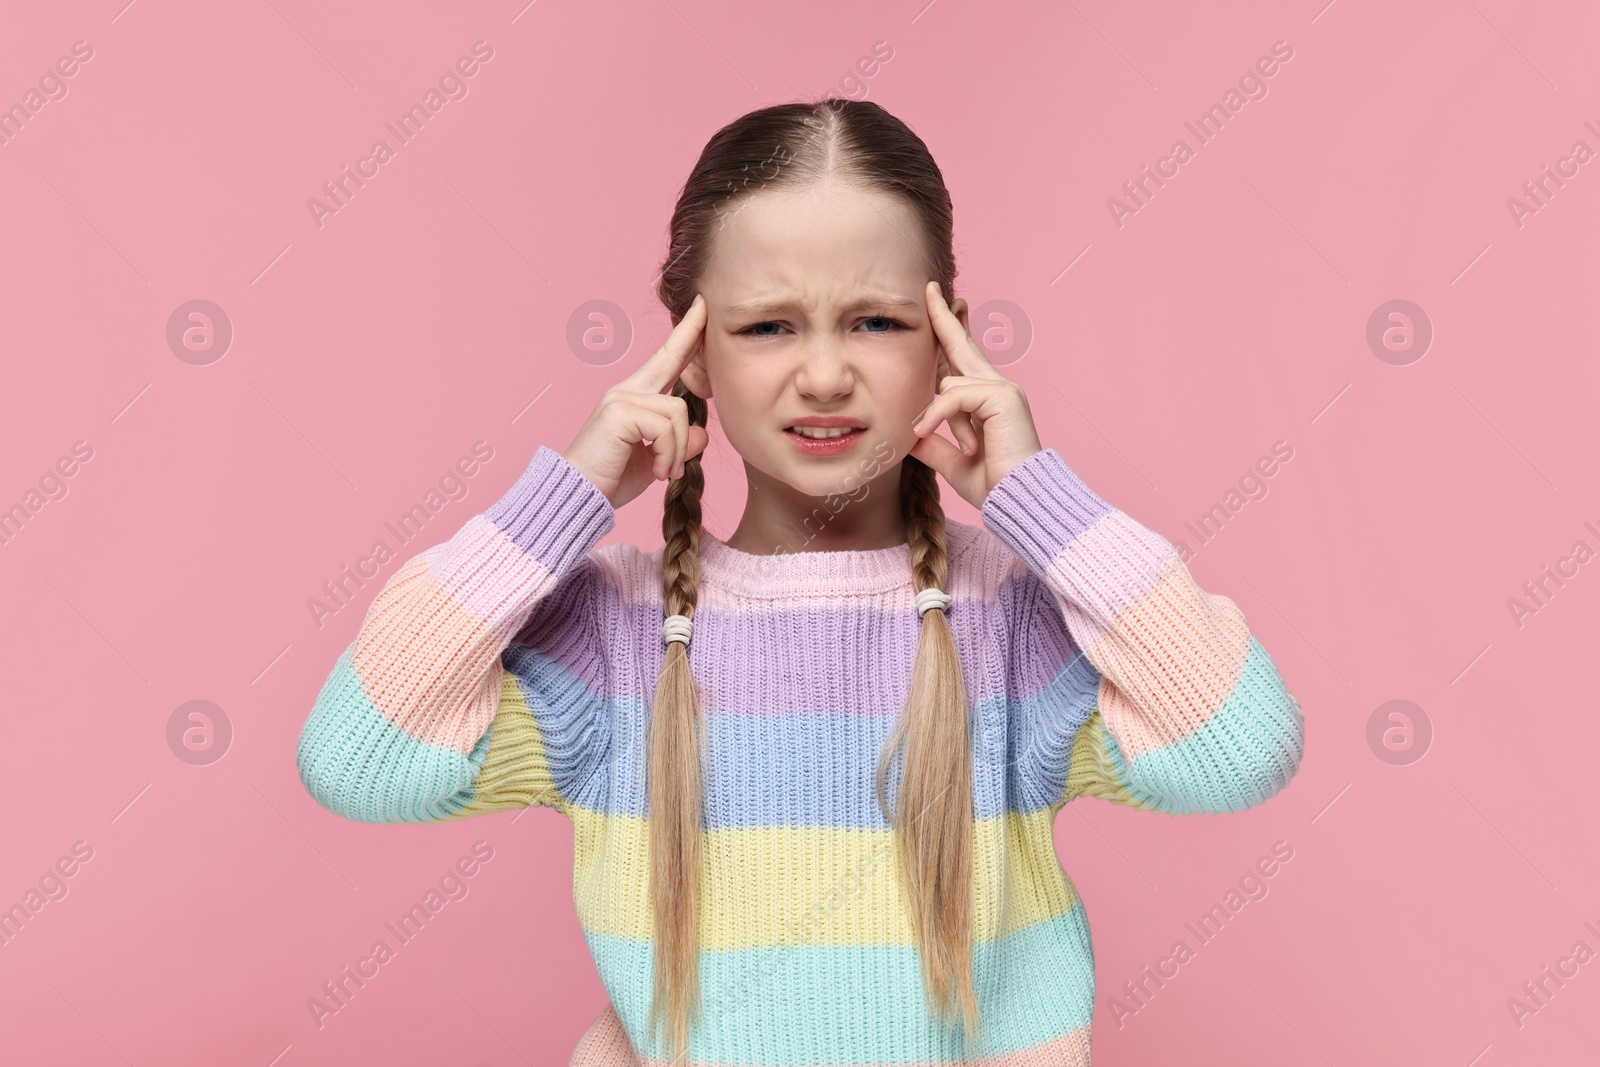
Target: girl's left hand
987,412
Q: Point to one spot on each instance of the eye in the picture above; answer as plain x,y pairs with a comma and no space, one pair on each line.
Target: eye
874,324
883,324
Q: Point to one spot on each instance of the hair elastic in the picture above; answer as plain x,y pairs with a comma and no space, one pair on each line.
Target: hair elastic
677,628
681,627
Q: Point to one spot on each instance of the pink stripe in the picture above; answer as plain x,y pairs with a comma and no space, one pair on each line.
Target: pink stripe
639,585
490,577
1093,567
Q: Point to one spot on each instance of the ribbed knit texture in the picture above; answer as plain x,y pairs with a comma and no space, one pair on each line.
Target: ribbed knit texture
515,664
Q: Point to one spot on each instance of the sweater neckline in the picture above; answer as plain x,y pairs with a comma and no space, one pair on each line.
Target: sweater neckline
828,571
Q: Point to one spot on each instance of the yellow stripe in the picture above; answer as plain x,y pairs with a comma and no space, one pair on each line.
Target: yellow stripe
1091,772
515,774
811,886
770,885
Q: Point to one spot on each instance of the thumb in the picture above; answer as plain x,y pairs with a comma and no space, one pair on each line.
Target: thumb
939,454
699,438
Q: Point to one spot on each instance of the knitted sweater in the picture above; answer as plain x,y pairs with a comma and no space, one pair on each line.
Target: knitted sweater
515,664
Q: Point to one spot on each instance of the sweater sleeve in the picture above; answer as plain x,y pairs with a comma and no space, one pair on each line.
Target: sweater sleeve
1189,712
419,720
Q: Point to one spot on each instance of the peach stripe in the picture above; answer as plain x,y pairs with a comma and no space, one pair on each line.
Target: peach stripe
417,630
1185,675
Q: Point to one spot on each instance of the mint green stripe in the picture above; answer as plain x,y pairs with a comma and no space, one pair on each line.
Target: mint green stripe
359,765
1242,755
861,1004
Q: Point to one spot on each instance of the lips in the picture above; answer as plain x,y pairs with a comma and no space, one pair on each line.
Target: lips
824,433
828,422
845,433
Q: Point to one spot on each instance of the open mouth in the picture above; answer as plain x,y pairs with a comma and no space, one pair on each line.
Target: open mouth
818,433
824,440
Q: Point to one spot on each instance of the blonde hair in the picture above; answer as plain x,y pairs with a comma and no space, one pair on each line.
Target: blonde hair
932,818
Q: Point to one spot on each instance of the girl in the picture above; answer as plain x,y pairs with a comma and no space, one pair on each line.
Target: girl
812,769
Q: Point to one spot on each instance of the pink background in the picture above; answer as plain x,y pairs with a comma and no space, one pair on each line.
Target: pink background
1229,313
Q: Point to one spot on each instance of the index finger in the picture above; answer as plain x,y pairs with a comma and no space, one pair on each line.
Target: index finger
965,355
660,371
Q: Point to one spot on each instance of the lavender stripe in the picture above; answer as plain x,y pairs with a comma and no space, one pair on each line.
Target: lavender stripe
553,512
1040,507
734,676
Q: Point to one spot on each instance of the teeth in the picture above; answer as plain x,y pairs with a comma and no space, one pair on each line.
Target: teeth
818,433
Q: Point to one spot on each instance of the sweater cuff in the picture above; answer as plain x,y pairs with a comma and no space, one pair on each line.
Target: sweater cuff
553,512
1040,507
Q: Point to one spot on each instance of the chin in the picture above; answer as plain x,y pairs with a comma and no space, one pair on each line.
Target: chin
815,477
818,478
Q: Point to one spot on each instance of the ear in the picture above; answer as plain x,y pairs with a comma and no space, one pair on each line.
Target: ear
694,372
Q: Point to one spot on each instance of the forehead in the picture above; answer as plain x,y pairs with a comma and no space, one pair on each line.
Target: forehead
815,241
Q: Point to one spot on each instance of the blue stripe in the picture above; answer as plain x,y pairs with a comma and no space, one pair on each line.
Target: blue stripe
359,765
814,769
1046,725
1243,755
861,1004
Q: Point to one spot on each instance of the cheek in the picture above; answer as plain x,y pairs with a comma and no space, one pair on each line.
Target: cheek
742,393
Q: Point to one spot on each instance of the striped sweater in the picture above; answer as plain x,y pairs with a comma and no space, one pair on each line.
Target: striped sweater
515,664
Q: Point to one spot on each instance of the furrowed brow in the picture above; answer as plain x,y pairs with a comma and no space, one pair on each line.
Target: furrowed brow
773,305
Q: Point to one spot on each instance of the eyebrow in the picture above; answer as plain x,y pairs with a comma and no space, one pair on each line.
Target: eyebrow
769,305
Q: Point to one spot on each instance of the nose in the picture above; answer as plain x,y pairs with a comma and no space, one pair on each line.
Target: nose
825,372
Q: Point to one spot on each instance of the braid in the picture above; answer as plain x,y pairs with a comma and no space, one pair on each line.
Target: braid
924,515
932,820
680,523
675,777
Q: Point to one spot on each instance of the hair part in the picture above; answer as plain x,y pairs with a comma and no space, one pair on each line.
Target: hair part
794,145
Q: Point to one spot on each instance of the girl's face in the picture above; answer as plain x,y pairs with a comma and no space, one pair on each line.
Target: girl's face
815,308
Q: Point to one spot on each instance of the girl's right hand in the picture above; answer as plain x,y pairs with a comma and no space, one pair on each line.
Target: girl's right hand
638,433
